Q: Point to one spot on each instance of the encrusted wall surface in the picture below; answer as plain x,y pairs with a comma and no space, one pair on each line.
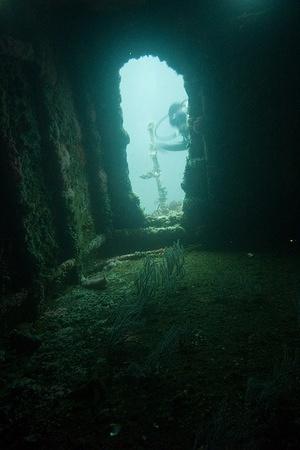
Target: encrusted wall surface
46,215
125,205
27,228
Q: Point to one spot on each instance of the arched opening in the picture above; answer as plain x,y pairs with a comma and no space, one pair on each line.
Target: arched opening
154,107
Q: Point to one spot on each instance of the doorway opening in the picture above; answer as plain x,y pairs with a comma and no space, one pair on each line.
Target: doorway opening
154,105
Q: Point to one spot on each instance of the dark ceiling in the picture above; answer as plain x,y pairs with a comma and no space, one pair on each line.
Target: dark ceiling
92,5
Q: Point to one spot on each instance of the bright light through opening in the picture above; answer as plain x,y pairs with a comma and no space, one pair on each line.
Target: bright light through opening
148,88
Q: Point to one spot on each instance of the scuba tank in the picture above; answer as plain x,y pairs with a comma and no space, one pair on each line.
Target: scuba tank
178,118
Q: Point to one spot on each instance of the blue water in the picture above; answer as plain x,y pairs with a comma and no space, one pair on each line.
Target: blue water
148,88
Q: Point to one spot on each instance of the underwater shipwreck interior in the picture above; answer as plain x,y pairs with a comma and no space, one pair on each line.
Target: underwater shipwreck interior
171,328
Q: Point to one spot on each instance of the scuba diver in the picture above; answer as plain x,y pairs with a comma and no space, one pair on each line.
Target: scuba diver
178,118
178,141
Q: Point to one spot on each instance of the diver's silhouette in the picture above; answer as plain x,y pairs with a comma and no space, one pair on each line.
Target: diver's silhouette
178,118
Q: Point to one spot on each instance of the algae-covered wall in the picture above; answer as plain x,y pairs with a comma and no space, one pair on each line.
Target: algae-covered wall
252,123
126,212
45,215
27,229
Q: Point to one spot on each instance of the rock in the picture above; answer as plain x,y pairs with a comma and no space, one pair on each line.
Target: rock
67,272
123,241
96,282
